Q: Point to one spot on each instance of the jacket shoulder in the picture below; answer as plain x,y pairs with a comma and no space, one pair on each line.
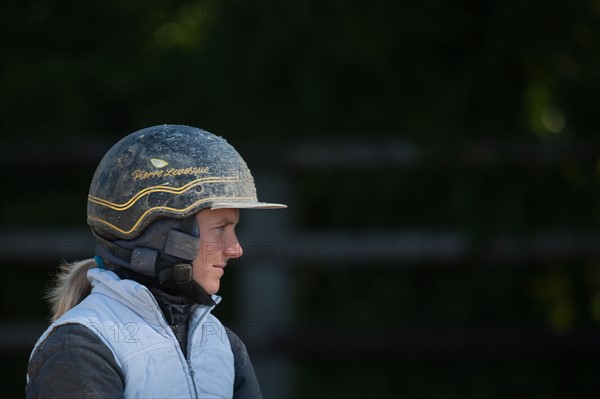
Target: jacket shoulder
245,384
73,362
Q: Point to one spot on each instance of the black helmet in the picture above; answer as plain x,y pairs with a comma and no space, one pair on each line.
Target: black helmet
146,191
167,170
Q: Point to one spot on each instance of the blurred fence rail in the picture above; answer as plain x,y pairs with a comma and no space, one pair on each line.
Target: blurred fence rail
36,247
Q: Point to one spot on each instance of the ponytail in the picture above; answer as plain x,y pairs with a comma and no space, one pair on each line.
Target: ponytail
72,286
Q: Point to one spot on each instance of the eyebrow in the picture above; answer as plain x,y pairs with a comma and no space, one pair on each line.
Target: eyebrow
226,221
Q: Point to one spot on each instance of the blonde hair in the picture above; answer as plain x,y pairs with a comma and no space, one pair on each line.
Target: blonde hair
71,287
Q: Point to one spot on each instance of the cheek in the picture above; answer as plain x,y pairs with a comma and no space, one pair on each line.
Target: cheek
207,251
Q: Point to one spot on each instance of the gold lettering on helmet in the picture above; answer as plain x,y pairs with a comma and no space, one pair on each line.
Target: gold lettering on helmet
150,174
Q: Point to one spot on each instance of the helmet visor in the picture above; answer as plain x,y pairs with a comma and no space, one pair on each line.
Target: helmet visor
246,205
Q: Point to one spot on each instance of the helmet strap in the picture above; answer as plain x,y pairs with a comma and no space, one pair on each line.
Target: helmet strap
181,245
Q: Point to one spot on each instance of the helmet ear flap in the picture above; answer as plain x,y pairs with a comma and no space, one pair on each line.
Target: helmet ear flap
143,261
163,243
162,256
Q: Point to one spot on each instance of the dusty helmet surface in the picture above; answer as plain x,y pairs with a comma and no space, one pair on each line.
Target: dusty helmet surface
166,171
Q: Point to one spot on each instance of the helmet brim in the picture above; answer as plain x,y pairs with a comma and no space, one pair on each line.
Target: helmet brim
246,205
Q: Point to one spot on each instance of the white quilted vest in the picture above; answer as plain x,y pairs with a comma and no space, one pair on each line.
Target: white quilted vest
126,317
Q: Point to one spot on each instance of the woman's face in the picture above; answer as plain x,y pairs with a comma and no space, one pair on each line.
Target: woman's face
218,244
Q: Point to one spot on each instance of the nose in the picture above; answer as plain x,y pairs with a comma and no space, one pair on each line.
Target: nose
234,249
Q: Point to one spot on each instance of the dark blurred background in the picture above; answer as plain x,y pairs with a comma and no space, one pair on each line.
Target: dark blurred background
441,160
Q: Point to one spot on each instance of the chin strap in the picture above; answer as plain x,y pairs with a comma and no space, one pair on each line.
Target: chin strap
182,277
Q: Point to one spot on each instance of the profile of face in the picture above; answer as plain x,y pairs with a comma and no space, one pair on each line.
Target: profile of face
218,244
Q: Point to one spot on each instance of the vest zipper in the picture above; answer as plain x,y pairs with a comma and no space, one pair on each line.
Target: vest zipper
193,381
189,364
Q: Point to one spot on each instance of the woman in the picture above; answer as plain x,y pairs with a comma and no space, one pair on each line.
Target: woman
136,320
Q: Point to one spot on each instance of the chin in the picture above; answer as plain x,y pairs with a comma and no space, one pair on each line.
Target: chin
212,290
